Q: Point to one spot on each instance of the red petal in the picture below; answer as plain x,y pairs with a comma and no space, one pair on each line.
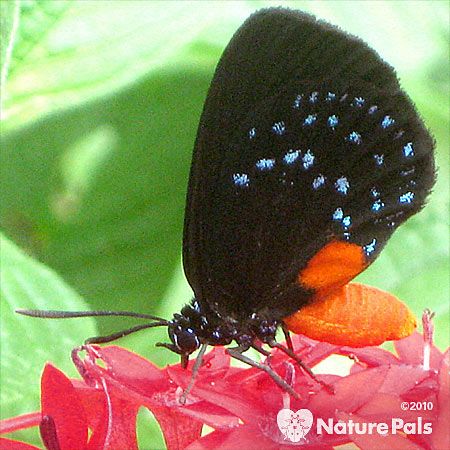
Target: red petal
426,390
383,407
135,381
377,441
230,398
132,370
249,437
351,392
410,351
93,401
317,353
179,431
371,356
117,428
441,434
60,401
211,415
255,380
217,361
8,444
20,422
400,379
242,437
310,351
380,406
215,365
249,384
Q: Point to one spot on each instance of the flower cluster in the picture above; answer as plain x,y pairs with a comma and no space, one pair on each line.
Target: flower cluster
240,405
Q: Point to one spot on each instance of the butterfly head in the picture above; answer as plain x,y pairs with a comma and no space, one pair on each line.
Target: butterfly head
182,331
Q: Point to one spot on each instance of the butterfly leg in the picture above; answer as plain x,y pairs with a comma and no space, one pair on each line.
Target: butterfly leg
259,349
237,354
291,354
287,336
195,369
263,352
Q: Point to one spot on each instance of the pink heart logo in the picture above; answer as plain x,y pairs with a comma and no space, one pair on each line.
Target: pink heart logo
294,425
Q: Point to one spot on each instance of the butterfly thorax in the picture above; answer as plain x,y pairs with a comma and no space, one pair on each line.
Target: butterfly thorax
198,323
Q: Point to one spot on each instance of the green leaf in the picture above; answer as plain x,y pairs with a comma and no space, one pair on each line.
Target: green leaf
27,343
100,197
69,52
9,19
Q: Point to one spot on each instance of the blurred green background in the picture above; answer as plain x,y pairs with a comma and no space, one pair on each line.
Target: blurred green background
100,106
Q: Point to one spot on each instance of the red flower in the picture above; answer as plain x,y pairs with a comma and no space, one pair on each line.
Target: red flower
241,405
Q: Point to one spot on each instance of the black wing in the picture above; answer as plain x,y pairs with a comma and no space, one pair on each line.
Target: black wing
305,137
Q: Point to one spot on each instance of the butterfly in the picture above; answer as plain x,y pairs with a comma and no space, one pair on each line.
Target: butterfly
308,157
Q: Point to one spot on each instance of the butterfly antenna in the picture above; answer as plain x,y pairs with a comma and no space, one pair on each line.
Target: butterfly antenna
53,314
122,333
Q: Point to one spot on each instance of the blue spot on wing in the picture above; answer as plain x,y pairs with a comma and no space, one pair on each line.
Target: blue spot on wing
313,97
377,205
379,159
298,101
279,128
374,192
265,164
332,121
358,102
406,198
310,120
291,156
370,247
346,222
318,182
408,150
342,185
387,122
354,137
338,214
308,159
241,179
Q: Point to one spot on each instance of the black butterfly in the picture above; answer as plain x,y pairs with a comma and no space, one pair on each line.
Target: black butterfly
306,138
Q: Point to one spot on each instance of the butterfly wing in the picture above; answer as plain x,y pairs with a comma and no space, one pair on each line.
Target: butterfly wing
307,151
